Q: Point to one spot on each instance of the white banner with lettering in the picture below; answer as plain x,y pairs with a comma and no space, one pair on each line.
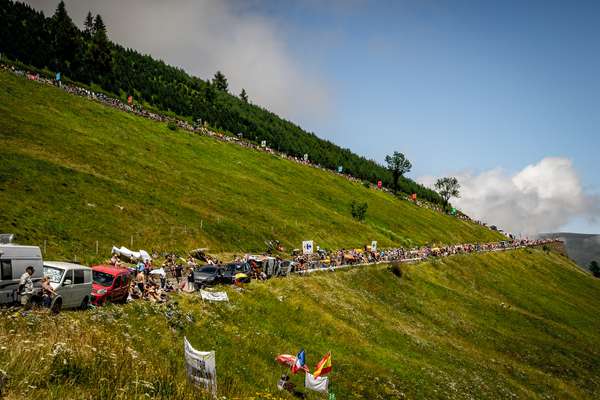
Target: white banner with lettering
213,296
201,367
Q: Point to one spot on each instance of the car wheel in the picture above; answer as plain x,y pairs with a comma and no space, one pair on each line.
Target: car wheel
56,305
85,303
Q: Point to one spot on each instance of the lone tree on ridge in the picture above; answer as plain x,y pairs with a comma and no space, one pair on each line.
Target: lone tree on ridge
398,165
447,187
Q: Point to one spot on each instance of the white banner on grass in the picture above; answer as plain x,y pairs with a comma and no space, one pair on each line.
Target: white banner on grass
201,367
213,296
318,384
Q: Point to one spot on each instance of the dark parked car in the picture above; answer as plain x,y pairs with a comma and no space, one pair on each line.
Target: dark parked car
231,270
208,275
214,274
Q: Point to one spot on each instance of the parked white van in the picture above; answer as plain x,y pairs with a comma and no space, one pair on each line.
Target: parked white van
73,282
13,261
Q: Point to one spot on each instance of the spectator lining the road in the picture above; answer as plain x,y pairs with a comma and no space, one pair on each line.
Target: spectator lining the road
26,289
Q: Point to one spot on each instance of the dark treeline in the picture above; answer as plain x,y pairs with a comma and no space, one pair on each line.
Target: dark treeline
88,56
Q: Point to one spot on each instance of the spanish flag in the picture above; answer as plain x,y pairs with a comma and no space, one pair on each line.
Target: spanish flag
324,366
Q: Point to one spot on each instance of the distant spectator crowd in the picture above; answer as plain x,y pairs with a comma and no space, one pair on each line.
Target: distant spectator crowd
327,259
175,273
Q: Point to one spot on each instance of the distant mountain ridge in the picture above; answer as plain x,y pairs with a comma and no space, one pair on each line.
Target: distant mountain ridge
581,247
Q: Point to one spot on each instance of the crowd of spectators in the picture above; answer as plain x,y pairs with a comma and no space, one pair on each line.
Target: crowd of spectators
323,259
176,273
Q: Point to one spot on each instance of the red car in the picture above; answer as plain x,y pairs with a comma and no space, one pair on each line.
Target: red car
110,284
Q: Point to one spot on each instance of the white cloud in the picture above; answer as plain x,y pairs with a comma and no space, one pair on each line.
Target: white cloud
203,36
542,197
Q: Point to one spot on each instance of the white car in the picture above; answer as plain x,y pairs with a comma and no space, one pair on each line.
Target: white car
73,282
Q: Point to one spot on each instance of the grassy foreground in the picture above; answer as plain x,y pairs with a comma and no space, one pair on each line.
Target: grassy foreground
73,172
520,324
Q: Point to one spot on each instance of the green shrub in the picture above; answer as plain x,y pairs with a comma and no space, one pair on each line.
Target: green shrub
358,210
396,269
172,125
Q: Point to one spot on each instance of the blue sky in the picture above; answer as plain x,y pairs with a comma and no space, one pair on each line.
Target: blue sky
485,90
472,85
459,85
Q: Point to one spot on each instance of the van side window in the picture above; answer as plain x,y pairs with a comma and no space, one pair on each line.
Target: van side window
5,270
77,276
118,281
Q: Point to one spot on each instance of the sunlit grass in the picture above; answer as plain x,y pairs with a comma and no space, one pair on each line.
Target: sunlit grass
519,324
73,172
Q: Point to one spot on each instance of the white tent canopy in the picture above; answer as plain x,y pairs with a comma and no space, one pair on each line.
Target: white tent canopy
124,251
159,271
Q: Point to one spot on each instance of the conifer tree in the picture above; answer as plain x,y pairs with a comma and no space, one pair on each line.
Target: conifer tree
65,40
244,95
99,26
100,52
220,82
88,25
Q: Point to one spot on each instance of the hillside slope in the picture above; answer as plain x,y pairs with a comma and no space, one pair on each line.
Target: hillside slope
74,172
518,324
29,36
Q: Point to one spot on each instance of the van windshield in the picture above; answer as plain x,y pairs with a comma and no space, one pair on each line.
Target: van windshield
54,274
103,279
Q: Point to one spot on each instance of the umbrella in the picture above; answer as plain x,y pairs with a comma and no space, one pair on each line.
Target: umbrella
288,360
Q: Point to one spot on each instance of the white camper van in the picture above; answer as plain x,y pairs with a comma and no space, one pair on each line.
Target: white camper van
13,261
73,282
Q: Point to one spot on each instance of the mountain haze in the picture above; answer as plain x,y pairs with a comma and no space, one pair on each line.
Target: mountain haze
581,247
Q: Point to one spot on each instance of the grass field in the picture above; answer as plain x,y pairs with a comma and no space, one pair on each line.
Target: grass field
73,172
519,324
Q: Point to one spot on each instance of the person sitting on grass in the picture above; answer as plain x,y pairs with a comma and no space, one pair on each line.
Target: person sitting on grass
48,292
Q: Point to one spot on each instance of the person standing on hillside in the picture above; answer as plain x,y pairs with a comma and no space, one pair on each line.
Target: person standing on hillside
140,281
26,287
178,272
191,263
140,266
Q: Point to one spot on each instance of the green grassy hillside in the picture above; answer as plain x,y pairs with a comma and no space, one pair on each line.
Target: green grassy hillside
519,324
74,172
